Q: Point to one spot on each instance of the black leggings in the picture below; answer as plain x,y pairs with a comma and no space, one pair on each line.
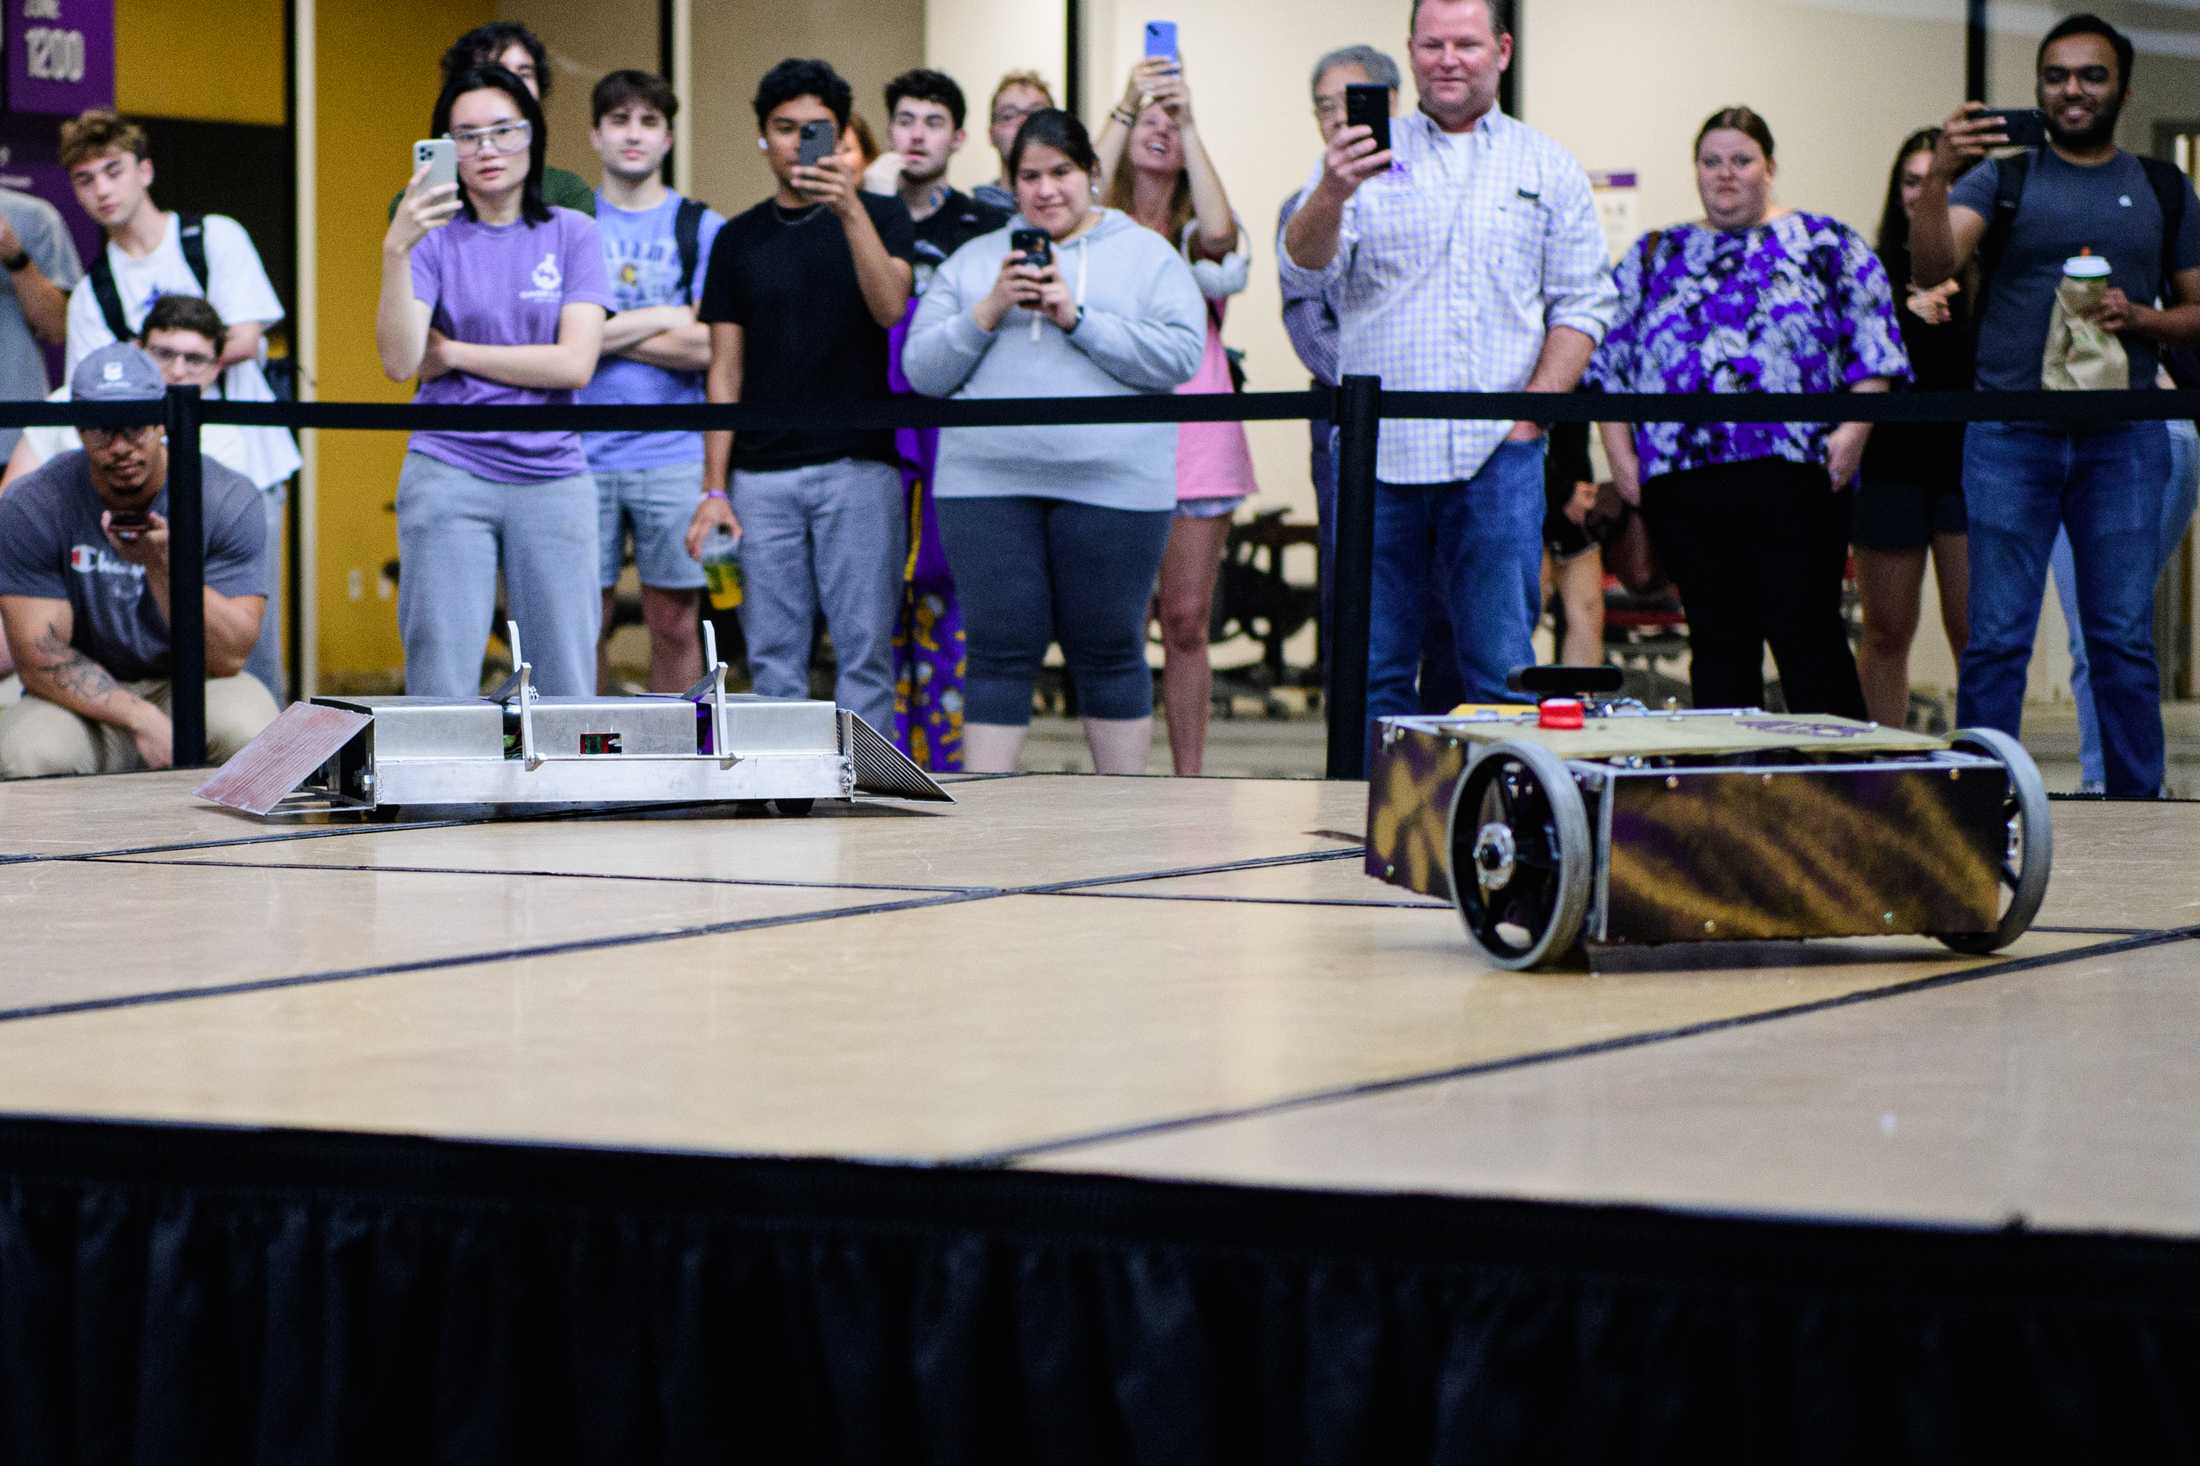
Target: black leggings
1757,550
1030,571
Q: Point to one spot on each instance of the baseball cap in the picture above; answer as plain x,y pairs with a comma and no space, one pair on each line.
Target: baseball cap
117,372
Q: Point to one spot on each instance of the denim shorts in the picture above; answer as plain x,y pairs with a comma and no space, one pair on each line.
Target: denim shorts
1219,508
655,505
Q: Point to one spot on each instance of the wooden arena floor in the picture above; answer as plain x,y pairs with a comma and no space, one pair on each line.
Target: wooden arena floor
1145,977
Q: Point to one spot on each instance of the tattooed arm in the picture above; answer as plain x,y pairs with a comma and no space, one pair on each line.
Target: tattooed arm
39,629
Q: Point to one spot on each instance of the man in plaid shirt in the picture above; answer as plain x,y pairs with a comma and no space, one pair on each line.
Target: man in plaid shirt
1468,257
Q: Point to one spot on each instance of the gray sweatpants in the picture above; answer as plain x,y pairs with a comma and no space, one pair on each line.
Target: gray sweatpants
266,661
831,535
454,531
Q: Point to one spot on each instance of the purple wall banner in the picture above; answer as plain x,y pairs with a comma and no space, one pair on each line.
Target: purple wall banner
60,56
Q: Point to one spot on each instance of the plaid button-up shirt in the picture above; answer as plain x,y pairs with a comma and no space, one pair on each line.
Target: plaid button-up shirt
1451,269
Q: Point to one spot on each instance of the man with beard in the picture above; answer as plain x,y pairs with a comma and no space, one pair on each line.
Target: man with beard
84,595
924,130
2021,218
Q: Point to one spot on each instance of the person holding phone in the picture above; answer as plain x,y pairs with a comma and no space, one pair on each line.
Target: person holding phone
802,291
84,595
1909,495
491,296
2018,219
1157,171
1469,257
1750,519
1057,533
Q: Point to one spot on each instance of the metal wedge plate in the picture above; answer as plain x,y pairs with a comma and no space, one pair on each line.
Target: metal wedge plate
264,771
882,768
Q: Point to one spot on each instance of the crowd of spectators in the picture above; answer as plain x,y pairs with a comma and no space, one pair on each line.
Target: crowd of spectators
1460,251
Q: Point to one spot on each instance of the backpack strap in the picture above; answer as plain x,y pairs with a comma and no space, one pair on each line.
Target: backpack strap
687,234
191,234
2170,192
102,276
2009,177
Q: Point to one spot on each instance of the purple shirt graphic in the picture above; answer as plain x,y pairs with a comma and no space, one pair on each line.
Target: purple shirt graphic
503,285
1799,304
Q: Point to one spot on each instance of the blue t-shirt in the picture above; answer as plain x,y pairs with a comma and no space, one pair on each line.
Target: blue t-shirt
2107,208
642,257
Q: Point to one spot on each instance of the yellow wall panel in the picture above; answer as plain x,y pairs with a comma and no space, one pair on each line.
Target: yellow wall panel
214,60
376,84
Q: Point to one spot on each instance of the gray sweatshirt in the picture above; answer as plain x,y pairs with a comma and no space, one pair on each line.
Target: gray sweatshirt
1144,331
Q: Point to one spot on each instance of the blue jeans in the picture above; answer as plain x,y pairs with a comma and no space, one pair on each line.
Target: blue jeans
2178,497
2021,482
1479,547
1440,691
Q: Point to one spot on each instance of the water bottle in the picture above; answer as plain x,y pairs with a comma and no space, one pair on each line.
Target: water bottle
722,568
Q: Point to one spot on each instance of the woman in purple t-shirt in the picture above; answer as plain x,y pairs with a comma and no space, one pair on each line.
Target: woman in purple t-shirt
491,296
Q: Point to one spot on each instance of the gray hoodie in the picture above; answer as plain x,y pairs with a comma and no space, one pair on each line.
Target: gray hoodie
1144,331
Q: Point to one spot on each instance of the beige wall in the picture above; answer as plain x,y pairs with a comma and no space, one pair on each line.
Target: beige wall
585,41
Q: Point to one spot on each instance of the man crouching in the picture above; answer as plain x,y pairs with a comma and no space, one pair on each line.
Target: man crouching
84,595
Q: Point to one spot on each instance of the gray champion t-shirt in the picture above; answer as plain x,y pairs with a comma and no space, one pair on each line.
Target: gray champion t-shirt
51,547
2109,209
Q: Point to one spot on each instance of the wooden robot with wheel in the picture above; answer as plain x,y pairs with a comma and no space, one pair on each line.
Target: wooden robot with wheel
1585,821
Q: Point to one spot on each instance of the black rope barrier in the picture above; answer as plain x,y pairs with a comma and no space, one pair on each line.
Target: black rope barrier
1358,408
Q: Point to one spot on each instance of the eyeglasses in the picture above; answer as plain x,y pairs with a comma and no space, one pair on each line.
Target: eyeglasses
196,361
505,137
1328,107
1003,115
103,437
2092,76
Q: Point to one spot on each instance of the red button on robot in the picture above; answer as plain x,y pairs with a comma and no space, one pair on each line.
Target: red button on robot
1559,712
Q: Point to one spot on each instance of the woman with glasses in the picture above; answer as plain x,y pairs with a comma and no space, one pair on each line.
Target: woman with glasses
1751,520
490,296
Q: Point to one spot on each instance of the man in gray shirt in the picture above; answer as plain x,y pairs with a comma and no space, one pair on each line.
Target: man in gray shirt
43,267
2022,481
84,595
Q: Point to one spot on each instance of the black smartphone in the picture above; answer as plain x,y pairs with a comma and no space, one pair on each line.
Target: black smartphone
128,524
1034,245
820,140
2025,127
1367,104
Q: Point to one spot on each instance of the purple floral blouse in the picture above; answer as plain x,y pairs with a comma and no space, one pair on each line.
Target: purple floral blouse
1799,304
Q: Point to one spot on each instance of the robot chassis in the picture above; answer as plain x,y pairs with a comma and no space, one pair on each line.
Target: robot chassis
517,747
1572,823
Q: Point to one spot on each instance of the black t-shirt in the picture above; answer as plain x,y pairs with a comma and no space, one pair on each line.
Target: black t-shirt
958,220
788,280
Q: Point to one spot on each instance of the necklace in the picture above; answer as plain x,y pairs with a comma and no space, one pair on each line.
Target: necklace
801,217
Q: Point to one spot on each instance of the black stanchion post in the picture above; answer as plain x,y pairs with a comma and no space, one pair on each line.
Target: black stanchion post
1358,418
186,578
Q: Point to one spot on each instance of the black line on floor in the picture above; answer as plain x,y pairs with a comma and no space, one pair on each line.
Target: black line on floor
1017,1155
556,875
1225,867
2105,931
477,959
1259,900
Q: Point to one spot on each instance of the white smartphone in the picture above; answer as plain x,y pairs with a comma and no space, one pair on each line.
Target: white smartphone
441,156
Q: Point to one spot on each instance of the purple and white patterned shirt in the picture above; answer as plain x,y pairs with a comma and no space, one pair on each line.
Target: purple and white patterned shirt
1450,271
1797,304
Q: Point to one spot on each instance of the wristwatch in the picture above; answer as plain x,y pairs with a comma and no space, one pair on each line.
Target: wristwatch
21,262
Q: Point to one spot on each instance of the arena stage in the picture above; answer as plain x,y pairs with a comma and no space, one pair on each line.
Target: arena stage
1084,1119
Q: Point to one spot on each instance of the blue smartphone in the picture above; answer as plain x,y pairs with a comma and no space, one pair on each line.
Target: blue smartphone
1161,39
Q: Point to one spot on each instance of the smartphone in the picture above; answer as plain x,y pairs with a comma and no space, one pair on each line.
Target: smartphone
820,140
1161,39
1367,104
128,524
441,156
2025,127
1034,245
